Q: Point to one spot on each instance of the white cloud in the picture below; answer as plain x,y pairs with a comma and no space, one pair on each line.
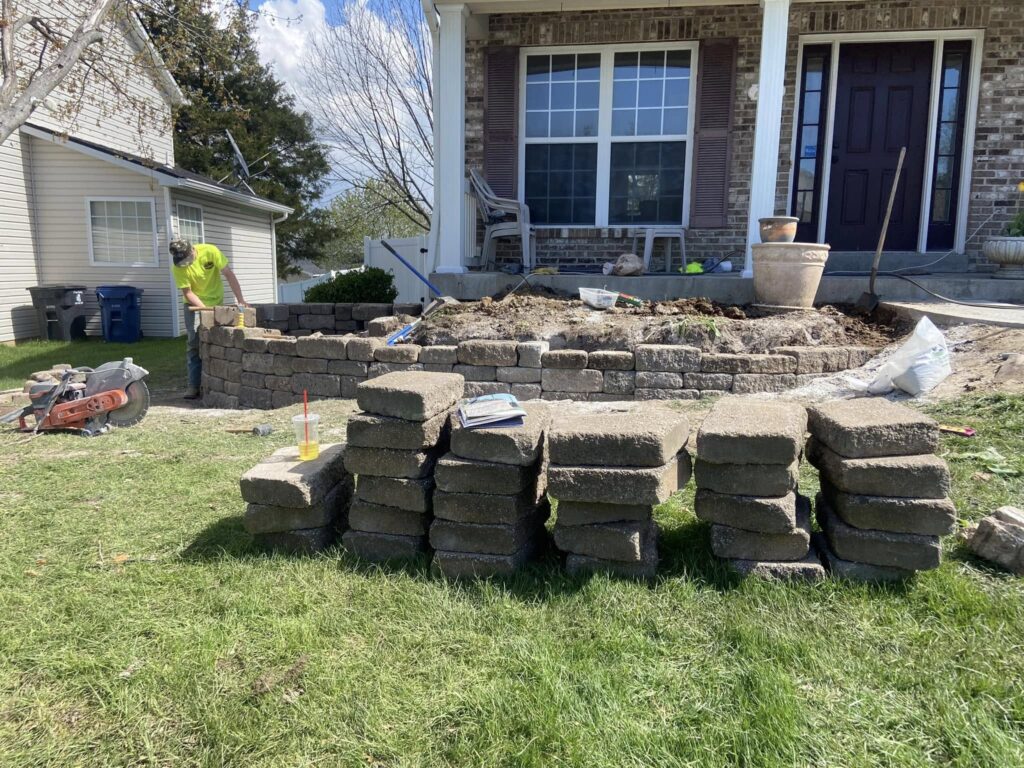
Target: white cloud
284,29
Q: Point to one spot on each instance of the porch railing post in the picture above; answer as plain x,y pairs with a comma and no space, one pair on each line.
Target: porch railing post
450,126
770,90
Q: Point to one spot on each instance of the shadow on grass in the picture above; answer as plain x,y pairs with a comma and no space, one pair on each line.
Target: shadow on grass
962,553
684,549
686,554
223,539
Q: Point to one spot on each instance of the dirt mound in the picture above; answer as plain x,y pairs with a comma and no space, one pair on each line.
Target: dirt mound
699,322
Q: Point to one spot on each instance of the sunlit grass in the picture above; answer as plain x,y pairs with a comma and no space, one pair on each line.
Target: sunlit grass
139,626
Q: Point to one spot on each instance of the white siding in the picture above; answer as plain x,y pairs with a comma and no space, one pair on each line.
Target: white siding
104,117
245,237
63,180
17,257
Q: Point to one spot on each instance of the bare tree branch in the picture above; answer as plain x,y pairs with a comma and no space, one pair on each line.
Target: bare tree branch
19,100
370,96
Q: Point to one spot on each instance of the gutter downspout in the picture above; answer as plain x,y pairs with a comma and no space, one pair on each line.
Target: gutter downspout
176,304
274,221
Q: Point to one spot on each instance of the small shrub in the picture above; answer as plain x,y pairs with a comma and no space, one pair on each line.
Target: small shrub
370,286
1016,226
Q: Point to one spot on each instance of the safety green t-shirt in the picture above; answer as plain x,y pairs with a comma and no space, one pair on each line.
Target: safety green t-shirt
203,274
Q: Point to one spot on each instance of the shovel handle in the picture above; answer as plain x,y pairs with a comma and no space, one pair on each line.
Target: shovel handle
885,221
411,268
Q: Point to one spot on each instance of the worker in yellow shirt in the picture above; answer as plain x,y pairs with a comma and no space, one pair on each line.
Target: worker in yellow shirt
197,270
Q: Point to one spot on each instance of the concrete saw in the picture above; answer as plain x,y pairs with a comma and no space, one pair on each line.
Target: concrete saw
87,400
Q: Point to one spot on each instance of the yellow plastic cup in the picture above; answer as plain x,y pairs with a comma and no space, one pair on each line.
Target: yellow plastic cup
307,435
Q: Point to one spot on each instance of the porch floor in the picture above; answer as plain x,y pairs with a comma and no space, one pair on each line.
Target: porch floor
948,313
734,289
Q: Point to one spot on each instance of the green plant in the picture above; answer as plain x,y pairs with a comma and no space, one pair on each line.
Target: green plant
687,322
1016,226
371,285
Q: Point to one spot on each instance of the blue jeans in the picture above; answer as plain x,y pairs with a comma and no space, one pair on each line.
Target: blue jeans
192,359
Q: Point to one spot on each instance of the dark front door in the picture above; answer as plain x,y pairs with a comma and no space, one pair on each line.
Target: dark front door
882,92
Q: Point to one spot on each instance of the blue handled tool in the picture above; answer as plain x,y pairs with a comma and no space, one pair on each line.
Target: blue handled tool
435,304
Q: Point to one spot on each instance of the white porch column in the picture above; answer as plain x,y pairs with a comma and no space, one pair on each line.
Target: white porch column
450,127
770,89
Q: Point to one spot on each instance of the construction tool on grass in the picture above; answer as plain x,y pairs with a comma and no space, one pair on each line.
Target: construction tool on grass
868,302
437,303
260,430
86,399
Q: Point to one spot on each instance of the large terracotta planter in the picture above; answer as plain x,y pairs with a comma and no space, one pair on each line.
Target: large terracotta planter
787,274
1008,253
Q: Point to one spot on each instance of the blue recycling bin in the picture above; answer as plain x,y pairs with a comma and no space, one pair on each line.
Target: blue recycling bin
120,312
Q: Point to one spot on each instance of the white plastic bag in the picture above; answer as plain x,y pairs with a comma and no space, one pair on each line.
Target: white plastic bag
921,364
628,264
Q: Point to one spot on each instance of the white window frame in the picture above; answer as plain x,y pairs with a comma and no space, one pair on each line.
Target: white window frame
835,41
202,219
89,233
604,138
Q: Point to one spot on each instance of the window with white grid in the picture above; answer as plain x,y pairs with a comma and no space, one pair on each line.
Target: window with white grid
122,231
606,134
190,222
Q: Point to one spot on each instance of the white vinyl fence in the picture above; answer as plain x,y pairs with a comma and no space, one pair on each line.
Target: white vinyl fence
294,293
413,249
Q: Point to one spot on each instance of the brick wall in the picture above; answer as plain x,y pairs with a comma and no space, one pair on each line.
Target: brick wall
570,247
999,146
998,150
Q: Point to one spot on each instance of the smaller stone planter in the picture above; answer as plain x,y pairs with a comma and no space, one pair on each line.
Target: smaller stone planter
778,229
1008,253
787,274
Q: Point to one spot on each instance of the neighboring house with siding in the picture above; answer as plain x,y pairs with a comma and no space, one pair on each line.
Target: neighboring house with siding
606,118
94,200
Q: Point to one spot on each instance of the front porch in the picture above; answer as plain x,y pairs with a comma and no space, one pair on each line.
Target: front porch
734,288
754,107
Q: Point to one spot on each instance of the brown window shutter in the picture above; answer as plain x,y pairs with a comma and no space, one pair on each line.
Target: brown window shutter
712,141
501,120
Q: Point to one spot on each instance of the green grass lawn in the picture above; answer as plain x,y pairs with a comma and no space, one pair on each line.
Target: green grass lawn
163,358
138,626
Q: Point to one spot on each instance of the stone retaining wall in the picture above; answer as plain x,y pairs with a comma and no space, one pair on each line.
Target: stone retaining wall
307,319
263,368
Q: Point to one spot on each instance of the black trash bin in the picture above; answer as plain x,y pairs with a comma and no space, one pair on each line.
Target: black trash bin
61,311
119,309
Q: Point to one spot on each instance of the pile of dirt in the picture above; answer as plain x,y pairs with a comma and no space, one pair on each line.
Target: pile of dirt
698,322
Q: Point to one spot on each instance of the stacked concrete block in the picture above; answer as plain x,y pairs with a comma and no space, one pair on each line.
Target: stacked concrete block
297,507
748,458
608,471
490,504
529,370
235,363
479,361
884,501
661,371
393,446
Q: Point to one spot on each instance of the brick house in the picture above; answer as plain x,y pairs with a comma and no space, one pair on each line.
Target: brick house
606,117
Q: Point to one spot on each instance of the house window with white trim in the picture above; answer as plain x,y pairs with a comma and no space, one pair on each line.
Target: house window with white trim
122,231
190,222
606,135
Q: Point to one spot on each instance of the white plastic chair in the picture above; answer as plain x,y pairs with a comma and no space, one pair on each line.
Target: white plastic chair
503,217
668,233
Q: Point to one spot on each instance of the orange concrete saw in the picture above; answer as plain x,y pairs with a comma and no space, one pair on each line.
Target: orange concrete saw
87,400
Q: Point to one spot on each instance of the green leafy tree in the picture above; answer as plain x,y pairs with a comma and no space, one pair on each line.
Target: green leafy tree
229,88
367,211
